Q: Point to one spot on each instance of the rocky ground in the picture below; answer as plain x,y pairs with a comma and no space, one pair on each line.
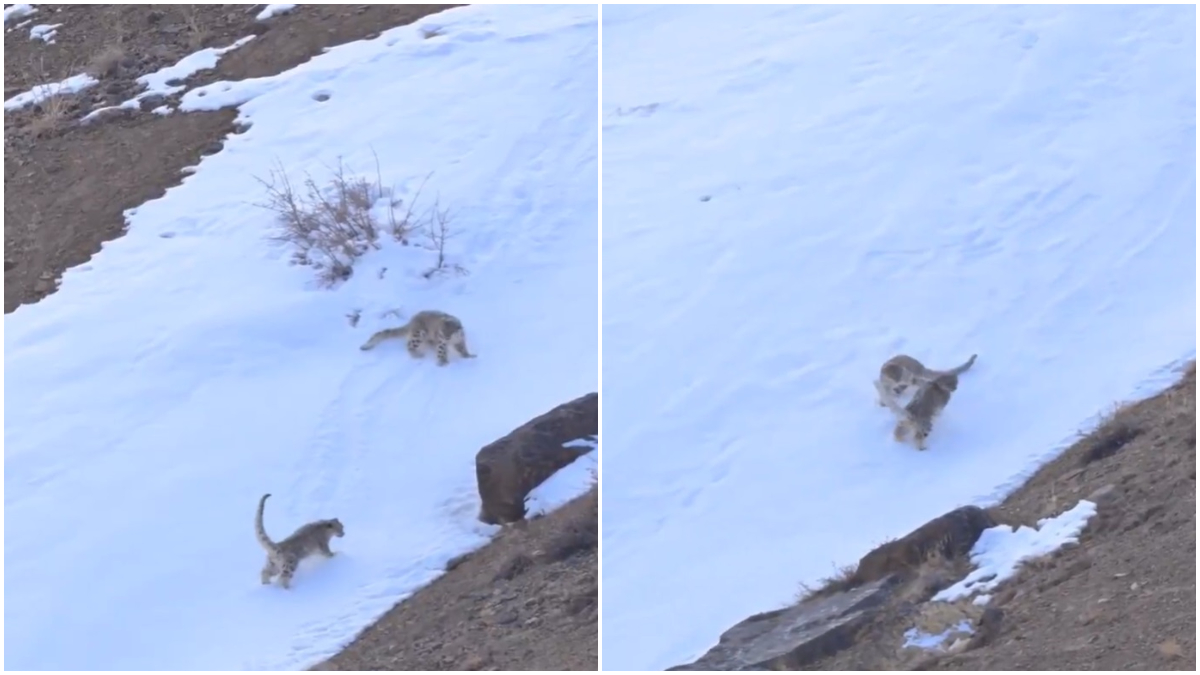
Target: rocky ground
526,601
1123,598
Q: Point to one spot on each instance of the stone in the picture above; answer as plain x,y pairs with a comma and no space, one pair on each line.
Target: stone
508,469
830,620
949,535
791,638
1104,496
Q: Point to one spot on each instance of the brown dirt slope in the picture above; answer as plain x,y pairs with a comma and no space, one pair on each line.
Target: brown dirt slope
527,601
1124,598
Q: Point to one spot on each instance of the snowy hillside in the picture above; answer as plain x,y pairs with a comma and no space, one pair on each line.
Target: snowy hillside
188,368
794,194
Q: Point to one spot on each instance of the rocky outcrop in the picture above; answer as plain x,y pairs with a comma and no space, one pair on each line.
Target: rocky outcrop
508,469
789,639
830,619
950,536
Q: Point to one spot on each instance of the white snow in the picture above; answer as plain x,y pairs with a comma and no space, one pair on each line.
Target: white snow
18,12
567,483
44,32
1001,549
274,10
188,369
130,104
914,637
793,194
41,92
160,81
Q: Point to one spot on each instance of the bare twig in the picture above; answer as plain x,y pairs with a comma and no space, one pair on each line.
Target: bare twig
197,34
406,224
438,232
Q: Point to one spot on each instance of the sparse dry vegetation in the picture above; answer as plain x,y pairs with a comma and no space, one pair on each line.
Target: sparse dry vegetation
515,565
437,233
1116,432
196,31
107,62
53,113
576,533
840,580
53,109
331,225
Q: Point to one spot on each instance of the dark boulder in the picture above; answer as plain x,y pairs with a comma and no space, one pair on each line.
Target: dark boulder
508,469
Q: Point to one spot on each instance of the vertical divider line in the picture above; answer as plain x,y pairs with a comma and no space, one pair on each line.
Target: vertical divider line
600,331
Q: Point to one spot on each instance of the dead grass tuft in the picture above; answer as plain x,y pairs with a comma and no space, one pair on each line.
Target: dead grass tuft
1113,433
106,62
578,532
842,579
514,566
52,113
197,34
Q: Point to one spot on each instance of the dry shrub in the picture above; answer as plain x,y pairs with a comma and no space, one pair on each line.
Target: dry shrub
332,225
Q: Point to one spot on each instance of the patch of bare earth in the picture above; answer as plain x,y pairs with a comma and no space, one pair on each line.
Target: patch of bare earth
1123,598
528,600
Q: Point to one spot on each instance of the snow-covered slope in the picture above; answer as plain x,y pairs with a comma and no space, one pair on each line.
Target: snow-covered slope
188,369
794,194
